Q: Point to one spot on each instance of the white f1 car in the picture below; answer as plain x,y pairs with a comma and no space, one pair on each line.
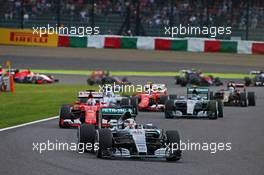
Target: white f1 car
126,139
198,103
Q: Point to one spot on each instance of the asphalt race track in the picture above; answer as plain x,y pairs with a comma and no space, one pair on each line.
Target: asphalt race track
129,60
243,127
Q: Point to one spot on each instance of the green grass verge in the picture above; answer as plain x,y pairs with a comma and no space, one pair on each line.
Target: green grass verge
34,102
130,73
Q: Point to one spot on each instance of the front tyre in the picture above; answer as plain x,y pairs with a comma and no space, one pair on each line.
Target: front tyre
65,113
169,107
86,135
212,110
243,99
104,138
251,99
173,139
220,107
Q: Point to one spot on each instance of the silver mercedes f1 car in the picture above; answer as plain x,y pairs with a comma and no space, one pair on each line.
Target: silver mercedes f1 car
198,103
127,139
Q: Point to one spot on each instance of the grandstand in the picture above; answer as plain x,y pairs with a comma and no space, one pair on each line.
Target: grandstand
245,17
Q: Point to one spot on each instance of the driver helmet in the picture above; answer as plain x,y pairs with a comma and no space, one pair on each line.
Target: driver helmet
90,102
231,88
196,97
130,123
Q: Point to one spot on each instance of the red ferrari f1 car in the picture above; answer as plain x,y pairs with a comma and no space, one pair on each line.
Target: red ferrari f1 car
154,98
87,108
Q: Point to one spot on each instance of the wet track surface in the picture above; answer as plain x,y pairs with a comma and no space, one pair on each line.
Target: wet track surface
243,127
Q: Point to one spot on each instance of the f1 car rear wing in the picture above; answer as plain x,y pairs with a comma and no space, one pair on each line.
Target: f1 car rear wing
235,85
197,90
256,72
90,94
156,88
183,71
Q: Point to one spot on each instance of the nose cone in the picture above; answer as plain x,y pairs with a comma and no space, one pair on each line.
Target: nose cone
90,117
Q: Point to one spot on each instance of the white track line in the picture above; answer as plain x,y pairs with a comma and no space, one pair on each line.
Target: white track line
30,123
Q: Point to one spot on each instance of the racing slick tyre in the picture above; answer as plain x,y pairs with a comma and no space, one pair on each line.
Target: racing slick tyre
173,139
217,82
104,138
169,107
34,80
243,99
196,81
134,103
251,99
172,97
86,135
125,102
177,80
211,95
184,82
163,99
90,82
212,110
220,108
65,113
247,81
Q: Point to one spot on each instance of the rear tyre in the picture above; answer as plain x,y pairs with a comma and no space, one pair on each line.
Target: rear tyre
211,95
86,135
177,80
220,107
217,81
90,82
125,102
163,99
212,109
251,99
196,81
65,113
104,138
247,81
173,97
184,82
173,137
243,99
169,107
134,103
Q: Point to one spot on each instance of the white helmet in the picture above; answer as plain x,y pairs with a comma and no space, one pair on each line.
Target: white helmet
91,102
129,123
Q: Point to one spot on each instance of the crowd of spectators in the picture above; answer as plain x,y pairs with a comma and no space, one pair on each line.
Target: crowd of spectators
153,12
